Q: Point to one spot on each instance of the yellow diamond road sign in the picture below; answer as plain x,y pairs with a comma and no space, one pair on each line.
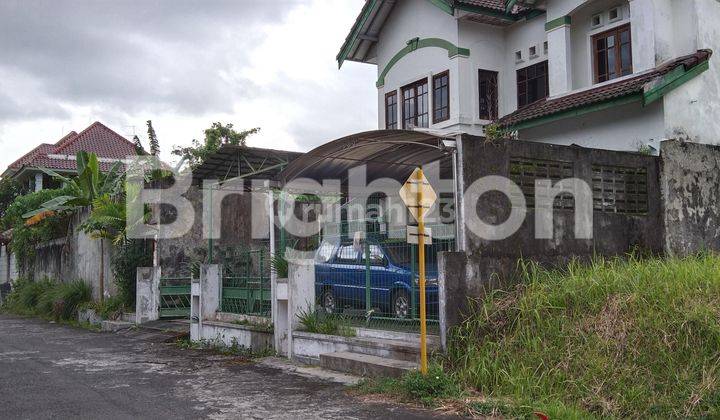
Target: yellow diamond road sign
409,194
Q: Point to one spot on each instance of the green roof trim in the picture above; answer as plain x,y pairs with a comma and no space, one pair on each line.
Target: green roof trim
487,12
444,5
355,31
556,23
510,5
673,80
669,82
416,44
576,112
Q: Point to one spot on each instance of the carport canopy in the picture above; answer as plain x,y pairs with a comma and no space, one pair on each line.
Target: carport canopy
386,153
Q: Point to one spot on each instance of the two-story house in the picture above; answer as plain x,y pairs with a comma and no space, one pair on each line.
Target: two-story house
109,146
613,74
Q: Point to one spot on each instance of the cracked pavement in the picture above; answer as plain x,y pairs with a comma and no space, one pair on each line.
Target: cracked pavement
55,371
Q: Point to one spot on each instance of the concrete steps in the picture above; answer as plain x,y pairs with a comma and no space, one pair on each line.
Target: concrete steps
365,364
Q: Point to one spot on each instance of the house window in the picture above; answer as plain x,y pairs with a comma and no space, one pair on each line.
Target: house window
488,94
415,104
532,83
518,56
391,110
596,21
533,52
441,97
545,48
614,14
613,54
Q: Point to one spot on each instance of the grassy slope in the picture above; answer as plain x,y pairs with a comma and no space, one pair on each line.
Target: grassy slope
616,338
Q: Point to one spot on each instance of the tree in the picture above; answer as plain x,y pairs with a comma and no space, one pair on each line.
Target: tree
9,190
139,149
89,188
81,190
152,138
216,136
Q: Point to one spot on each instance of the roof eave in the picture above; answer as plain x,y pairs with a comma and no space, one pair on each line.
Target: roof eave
651,92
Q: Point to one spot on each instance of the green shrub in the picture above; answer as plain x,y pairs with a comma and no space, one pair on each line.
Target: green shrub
416,387
615,338
129,256
320,322
110,308
24,238
48,299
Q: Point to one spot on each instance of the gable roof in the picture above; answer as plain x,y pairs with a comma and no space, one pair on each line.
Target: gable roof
108,145
646,87
360,41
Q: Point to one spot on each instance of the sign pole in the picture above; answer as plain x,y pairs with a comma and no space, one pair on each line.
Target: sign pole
421,266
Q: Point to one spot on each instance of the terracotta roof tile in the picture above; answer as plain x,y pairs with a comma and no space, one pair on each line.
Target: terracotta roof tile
498,5
622,88
97,138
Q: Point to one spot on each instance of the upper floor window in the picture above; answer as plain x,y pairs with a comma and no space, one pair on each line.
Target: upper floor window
532,83
612,53
415,104
391,110
488,94
441,97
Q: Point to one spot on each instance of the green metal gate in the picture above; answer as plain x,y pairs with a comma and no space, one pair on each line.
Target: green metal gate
175,297
246,282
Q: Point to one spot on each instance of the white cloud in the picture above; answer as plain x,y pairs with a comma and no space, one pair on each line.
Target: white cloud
273,68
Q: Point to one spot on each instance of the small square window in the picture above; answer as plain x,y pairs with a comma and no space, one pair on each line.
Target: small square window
518,56
615,14
596,21
533,51
545,48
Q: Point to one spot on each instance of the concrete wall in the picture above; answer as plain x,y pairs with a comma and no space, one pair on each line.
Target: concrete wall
691,196
493,262
236,228
75,257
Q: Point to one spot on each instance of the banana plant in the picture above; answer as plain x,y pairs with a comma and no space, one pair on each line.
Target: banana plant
82,189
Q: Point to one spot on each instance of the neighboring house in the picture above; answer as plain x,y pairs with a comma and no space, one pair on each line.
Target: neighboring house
613,74
109,146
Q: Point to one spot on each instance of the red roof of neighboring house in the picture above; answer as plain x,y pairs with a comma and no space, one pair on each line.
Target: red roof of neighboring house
97,138
606,92
499,5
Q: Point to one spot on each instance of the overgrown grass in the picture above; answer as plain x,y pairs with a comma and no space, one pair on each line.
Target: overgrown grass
109,308
615,338
415,387
218,346
59,301
320,322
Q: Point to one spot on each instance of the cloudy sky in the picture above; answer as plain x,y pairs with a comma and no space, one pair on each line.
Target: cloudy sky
183,64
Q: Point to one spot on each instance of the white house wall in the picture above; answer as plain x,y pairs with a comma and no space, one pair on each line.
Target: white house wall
581,34
623,128
692,110
519,37
410,19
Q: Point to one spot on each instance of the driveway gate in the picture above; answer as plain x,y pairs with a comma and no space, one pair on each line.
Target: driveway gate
175,297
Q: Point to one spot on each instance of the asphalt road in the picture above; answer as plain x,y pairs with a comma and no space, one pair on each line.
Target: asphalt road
53,371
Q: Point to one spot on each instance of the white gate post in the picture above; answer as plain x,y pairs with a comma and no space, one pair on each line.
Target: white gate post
147,294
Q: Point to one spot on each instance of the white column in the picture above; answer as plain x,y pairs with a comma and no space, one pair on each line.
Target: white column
38,181
560,60
642,30
301,295
147,297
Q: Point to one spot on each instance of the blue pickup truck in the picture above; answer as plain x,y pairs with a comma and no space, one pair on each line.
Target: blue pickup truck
340,279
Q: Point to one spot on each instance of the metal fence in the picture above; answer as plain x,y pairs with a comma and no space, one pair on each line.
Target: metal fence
246,281
175,297
373,281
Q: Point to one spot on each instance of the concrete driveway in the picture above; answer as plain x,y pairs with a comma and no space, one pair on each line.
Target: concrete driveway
53,371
